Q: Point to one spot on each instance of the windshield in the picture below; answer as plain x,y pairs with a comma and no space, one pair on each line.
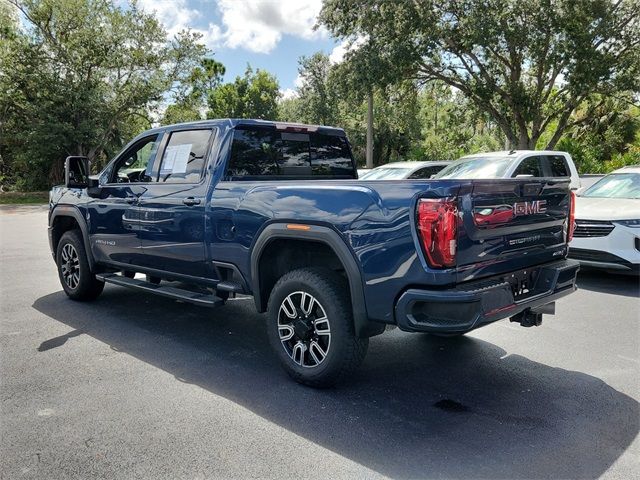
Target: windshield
616,185
476,167
386,174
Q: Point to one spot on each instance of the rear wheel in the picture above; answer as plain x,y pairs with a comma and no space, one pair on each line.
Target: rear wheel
310,326
73,268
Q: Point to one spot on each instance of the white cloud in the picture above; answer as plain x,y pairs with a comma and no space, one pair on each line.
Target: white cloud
340,50
299,81
255,25
259,25
176,15
288,93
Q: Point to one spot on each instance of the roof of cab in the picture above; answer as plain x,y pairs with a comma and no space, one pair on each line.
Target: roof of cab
514,153
234,122
414,164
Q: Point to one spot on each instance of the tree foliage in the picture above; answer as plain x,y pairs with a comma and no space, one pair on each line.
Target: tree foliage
76,79
447,78
191,96
528,64
253,95
411,122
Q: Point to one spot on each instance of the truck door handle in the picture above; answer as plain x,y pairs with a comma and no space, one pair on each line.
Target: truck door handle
191,201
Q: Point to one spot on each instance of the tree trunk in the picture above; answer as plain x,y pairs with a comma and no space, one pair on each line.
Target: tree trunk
369,154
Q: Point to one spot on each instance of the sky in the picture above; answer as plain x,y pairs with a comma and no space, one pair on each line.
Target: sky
267,34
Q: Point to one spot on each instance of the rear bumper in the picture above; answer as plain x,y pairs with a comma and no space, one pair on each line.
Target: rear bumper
474,304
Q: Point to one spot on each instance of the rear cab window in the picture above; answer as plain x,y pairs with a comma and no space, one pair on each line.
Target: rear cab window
530,167
558,166
264,152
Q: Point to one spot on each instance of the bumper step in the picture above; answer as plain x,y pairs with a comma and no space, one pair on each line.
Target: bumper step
198,298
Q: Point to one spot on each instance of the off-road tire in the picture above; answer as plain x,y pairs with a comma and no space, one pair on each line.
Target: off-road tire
345,351
86,286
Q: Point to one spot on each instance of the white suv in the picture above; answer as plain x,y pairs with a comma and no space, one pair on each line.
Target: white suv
607,233
512,164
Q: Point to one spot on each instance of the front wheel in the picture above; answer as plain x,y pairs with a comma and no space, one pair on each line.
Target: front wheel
310,326
73,268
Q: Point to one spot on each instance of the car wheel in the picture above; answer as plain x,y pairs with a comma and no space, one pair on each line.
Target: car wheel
310,327
73,268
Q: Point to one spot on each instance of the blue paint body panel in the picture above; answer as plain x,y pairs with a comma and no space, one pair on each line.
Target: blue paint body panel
375,220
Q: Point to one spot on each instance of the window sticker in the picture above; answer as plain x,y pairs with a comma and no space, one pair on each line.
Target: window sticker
176,158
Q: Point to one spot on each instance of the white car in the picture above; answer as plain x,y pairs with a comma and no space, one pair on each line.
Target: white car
512,164
401,170
607,233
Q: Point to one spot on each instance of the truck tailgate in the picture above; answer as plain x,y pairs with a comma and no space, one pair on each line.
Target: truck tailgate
511,224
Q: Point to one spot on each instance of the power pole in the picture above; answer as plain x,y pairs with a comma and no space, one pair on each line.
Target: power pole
369,155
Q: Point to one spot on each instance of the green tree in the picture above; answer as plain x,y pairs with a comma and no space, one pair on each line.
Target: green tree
606,139
529,64
290,110
78,77
254,95
191,94
318,96
451,126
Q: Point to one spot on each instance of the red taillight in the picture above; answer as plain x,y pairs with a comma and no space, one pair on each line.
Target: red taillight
438,228
572,217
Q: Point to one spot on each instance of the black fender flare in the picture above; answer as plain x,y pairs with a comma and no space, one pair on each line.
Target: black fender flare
74,212
363,326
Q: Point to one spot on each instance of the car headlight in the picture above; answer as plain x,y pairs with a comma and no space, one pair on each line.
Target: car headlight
629,223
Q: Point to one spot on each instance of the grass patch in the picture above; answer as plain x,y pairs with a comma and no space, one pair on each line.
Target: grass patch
23,198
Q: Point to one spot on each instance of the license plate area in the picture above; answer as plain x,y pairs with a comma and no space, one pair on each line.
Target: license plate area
523,283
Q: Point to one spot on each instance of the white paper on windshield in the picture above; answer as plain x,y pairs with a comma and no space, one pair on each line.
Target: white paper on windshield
176,158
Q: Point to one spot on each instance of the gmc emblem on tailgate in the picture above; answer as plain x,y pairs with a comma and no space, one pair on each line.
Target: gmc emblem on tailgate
529,208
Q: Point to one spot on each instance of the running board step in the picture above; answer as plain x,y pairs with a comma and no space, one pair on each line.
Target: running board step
198,298
228,286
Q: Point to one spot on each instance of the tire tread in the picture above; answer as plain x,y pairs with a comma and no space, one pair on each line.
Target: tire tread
334,288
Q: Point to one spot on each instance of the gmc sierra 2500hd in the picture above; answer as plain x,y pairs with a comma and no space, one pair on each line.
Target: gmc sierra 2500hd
275,210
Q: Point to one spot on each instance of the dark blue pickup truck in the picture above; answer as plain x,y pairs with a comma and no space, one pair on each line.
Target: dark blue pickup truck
205,210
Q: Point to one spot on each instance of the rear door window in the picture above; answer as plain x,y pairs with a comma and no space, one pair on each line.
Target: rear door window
530,166
184,157
267,152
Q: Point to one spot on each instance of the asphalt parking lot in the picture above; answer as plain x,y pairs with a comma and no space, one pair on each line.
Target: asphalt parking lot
136,386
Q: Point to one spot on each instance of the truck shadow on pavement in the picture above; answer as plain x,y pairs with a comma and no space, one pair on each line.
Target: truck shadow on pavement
603,282
420,406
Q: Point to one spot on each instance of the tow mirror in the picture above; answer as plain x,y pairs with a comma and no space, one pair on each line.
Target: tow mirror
76,172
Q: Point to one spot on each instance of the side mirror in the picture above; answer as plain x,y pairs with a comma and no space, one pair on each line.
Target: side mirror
76,172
